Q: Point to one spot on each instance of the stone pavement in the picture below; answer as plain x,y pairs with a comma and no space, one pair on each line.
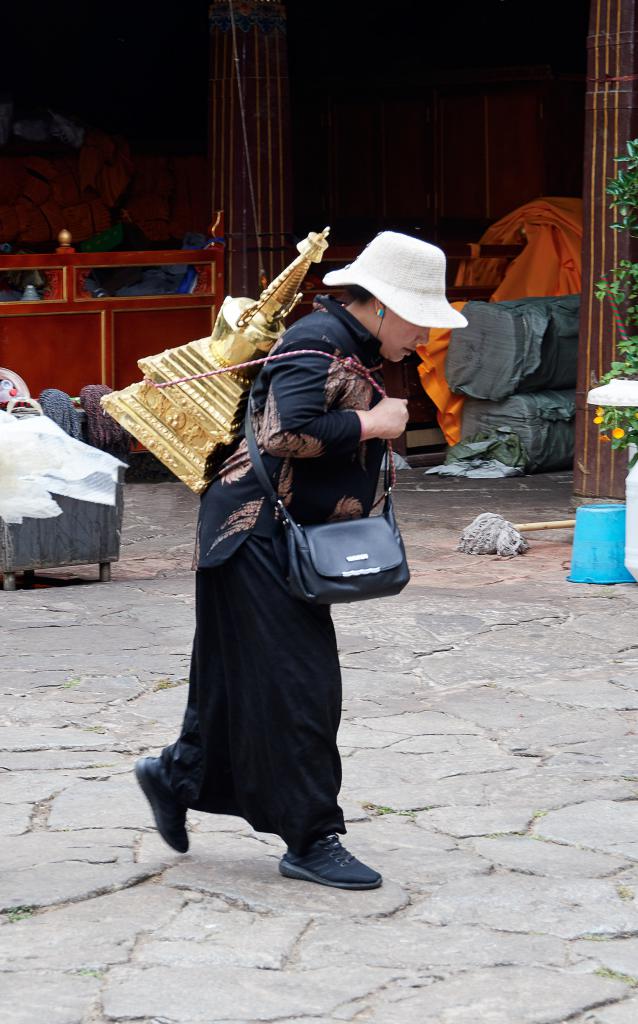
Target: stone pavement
490,772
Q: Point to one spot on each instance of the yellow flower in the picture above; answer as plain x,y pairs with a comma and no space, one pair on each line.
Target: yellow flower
600,411
618,432
598,419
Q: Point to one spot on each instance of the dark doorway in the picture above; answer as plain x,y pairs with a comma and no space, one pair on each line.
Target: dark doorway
432,118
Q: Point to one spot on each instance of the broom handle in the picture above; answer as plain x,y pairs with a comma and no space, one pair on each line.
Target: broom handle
554,524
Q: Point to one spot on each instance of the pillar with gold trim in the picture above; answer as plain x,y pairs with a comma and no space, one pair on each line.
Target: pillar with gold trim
249,137
611,118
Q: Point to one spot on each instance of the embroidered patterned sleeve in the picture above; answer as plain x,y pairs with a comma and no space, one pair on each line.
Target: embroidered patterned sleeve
301,418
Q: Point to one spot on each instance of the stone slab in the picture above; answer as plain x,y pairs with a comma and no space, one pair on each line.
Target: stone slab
15,819
530,784
256,885
478,666
211,933
565,727
611,758
212,847
494,710
618,955
154,718
419,723
30,787
409,856
611,826
357,736
91,935
34,680
418,947
532,724
482,820
27,998
106,689
534,857
413,765
607,690
113,803
625,1012
55,710
179,992
62,760
34,739
45,868
503,995
569,908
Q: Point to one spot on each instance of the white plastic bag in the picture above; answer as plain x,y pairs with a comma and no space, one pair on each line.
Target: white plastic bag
37,458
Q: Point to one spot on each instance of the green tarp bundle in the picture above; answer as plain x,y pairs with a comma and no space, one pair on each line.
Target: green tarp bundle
542,421
525,345
501,445
485,456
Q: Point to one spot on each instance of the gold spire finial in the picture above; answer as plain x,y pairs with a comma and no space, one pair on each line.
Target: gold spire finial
184,424
282,294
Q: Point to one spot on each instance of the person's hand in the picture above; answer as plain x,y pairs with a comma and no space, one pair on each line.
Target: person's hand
386,420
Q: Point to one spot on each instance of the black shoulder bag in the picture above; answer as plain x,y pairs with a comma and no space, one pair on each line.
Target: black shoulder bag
333,563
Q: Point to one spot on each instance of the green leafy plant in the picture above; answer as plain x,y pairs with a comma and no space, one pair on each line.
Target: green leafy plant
619,426
16,914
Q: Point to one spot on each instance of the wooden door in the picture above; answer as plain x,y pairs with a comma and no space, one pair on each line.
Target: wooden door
355,173
407,165
495,150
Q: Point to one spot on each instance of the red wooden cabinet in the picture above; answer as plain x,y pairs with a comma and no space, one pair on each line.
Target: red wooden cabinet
69,338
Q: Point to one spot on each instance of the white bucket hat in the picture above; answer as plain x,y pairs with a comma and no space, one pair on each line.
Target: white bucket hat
407,275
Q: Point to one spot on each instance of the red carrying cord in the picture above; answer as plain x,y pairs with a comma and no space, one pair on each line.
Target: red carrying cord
353,365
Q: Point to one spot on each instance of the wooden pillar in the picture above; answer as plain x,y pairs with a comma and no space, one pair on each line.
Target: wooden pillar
611,118
249,137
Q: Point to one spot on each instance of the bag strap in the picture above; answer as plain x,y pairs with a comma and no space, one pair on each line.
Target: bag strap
264,479
258,462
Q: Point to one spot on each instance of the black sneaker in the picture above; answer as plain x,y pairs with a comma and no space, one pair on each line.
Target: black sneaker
169,814
327,862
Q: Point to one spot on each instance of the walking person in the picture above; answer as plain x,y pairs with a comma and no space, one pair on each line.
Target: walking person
259,737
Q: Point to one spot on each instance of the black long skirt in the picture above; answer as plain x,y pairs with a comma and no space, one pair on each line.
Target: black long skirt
259,737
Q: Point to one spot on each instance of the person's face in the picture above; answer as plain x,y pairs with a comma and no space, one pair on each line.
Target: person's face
399,338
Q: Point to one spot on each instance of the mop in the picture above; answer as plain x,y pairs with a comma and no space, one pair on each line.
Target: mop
490,534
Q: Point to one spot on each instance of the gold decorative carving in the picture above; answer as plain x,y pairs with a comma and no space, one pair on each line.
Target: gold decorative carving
183,424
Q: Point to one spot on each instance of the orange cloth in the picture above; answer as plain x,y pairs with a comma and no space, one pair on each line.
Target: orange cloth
550,264
432,373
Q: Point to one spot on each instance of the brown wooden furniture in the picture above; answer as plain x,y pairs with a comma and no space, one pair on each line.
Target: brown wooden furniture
69,338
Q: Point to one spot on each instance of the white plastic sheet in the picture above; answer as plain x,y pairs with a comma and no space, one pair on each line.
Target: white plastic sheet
38,459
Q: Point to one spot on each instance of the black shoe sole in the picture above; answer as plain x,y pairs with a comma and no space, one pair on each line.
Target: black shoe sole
146,785
303,875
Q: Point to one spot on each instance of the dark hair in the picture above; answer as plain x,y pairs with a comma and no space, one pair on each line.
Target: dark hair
356,293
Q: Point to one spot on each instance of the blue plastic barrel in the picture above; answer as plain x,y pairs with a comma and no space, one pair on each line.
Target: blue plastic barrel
598,554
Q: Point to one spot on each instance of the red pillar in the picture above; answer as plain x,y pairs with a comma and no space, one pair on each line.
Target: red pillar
611,118
249,137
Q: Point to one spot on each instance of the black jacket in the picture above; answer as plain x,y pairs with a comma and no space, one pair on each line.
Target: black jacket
310,436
